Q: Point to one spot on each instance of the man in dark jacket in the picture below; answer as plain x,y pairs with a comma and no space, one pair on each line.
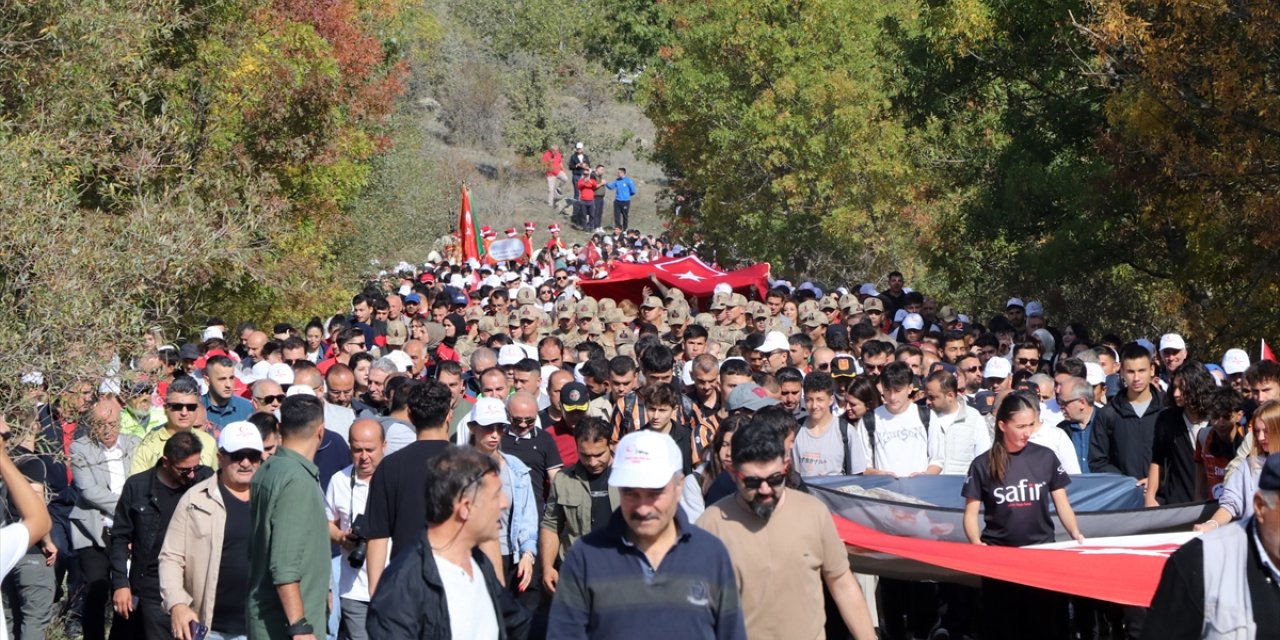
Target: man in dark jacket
146,504
1123,432
464,502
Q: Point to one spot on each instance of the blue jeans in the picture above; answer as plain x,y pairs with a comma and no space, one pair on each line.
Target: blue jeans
331,630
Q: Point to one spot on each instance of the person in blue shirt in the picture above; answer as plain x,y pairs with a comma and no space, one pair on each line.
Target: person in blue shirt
626,189
1075,396
221,404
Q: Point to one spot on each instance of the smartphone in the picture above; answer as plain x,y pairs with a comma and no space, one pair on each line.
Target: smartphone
198,631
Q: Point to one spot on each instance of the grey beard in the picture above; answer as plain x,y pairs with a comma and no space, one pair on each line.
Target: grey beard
764,510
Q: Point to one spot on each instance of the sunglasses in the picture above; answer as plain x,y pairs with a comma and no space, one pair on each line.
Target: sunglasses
524,421
501,426
186,471
774,481
1028,360
824,366
182,406
246,454
974,369
271,399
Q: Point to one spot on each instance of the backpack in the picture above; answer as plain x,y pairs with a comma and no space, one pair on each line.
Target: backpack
869,422
686,409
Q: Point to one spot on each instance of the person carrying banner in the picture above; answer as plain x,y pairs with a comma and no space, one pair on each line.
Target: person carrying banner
1013,485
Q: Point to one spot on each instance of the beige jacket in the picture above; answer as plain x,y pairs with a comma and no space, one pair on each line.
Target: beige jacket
192,550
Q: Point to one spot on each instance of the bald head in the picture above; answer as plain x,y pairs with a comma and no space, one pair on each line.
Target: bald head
104,421
483,358
522,407
340,385
308,377
417,352
366,430
254,344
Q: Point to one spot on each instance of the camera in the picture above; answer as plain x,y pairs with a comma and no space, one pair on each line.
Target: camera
356,557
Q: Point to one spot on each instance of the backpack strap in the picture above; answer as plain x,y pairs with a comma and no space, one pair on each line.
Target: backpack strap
869,423
924,418
844,438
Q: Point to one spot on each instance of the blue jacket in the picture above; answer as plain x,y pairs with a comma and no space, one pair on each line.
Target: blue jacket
608,589
520,526
625,187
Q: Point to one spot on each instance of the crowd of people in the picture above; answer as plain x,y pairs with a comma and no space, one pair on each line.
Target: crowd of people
482,451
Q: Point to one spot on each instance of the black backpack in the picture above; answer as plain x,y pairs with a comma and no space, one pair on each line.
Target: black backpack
869,422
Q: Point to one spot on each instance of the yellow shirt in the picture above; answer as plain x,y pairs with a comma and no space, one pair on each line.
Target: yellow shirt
152,447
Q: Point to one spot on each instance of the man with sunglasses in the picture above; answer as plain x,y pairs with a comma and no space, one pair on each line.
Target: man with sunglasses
267,396
147,502
182,412
204,562
781,584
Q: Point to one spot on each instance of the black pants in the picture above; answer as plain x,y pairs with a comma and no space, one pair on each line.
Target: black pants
621,214
597,213
1009,610
910,609
95,569
581,213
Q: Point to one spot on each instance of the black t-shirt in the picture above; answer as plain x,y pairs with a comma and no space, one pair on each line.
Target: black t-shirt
397,508
1017,509
600,507
229,614
540,454
167,499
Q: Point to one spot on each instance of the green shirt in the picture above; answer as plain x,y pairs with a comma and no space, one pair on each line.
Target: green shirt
289,543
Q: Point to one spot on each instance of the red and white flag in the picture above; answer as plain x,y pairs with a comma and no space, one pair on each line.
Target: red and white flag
1266,352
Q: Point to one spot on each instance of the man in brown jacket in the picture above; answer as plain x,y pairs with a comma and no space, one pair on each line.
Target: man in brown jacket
204,563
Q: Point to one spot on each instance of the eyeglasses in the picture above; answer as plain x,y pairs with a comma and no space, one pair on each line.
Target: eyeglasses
244,454
524,422
562,277
872,368
974,369
179,407
774,481
1028,360
186,471
270,399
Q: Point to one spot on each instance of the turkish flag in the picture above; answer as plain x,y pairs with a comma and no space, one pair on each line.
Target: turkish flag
1266,352
468,230
694,277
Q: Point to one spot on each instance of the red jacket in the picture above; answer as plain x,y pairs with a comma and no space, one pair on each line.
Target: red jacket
587,189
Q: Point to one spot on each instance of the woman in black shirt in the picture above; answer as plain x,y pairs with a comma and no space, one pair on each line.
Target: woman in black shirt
1013,484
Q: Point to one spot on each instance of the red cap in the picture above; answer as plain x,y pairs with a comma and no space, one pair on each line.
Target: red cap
554,228
427,277
511,232
530,227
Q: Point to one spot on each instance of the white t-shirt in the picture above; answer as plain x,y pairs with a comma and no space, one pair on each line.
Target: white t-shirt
116,474
15,539
1060,443
901,445
342,503
471,614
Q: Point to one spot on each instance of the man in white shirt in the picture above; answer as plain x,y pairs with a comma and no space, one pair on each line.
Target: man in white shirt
960,433
344,505
897,440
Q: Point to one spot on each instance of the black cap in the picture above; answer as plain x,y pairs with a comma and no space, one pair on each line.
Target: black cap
574,397
1270,479
189,351
843,367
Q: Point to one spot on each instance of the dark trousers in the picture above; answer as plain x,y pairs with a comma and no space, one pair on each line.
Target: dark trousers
597,213
622,214
148,619
1009,610
95,568
581,213
910,609
531,598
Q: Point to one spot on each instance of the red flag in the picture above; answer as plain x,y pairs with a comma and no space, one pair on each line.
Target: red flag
469,230
1266,352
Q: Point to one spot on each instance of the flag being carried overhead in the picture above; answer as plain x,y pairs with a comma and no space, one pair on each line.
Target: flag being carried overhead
469,230
1266,352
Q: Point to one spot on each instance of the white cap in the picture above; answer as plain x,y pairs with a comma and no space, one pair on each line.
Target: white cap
1093,374
962,318
109,387
433,256
868,289
402,360
1235,361
280,373
899,315
913,322
1146,344
1015,302
299,390
723,287
686,373
1035,309
259,371
510,354
997,367
774,341
577,145
404,290
645,460
488,412
34,378
1172,341
239,436
210,333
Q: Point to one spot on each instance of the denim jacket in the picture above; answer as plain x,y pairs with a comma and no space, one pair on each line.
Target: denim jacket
520,522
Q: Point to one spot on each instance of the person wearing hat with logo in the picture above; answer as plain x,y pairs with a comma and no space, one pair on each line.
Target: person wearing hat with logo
1223,584
518,539
204,562
574,401
1015,310
648,547
581,499
776,351
1173,352
1235,362
782,585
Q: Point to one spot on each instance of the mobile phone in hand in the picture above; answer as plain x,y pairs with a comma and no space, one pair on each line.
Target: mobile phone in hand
198,631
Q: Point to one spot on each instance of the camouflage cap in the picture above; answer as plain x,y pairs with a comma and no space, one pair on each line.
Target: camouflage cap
677,317
756,309
528,312
564,308
719,301
737,300
806,307
606,304
624,336
526,295
704,320
652,302
829,302
613,315
849,304
814,319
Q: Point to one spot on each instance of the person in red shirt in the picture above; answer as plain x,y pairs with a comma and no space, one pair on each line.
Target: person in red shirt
1216,444
556,243
527,238
553,164
587,186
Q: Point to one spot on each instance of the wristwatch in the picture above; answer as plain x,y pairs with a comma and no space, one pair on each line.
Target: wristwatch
299,628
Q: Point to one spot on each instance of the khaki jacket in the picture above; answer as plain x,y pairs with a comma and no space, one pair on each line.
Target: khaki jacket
568,510
192,550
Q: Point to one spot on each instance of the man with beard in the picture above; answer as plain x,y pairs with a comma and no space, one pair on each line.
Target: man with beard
781,584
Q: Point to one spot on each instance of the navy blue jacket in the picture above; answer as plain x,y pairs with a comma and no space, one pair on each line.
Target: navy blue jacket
608,589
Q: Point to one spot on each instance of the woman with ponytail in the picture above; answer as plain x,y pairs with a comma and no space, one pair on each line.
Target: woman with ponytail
1013,484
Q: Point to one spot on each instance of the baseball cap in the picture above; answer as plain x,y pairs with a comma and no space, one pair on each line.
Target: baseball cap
737,300
868,289
211,333
240,435
1270,479
488,412
829,302
774,341
814,319
1172,341
1146,344
645,460
413,298
913,322
843,367
997,367
873,303
189,351
677,316
719,301
574,397
948,315
652,302
510,354
849,303
1035,309
458,297
1093,374
749,396
402,360
1014,302
1235,361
